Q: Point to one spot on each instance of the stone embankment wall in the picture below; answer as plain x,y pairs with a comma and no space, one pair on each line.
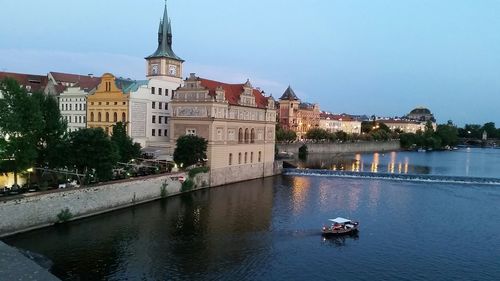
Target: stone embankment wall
39,210
348,147
239,173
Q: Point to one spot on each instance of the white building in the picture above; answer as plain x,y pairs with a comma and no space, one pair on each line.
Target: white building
335,123
73,103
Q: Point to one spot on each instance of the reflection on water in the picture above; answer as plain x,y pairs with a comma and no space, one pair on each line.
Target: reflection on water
339,241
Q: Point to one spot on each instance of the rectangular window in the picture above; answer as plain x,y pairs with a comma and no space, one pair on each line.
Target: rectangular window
165,132
251,157
153,119
245,157
260,154
159,105
166,106
153,105
159,119
166,92
152,90
153,132
191,132
159,133
230,159
159,91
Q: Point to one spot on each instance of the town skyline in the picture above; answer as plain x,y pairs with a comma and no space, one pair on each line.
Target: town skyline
355,74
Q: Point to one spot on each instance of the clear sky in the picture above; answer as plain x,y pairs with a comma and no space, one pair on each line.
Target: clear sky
381,57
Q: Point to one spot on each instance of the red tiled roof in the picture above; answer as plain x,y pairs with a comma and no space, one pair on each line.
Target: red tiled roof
233,92
85,82
36,82
325,115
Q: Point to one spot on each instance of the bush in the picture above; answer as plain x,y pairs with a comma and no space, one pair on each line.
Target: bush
64,216
193,172
303,152
187,185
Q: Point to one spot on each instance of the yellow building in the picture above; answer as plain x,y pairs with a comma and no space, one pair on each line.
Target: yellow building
108,104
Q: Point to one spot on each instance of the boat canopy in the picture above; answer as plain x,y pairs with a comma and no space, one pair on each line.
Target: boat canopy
340,220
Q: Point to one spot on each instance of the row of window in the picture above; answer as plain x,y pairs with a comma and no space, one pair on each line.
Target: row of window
153,91
246,136
245,158
160,105
153,132
66,106
115,117
75,119
75,99
107,103
160,118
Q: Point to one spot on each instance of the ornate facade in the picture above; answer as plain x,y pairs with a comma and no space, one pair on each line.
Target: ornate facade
237,120
296,115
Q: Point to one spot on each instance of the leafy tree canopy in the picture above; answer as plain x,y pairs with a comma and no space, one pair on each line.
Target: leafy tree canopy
190,150
126,148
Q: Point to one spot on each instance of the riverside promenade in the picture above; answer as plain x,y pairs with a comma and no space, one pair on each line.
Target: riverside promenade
15,266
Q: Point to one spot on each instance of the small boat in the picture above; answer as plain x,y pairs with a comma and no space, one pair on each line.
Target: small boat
341,226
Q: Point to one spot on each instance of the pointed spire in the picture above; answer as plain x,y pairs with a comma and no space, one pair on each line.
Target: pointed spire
165,38
289,94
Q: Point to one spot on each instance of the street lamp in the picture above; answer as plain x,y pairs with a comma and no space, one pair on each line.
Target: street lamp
30,170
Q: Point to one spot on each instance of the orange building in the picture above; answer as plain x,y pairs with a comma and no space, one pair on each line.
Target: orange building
296,115
108,104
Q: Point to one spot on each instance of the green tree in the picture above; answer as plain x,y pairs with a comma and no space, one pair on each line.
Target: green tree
285,135
20,118
317,134
126,147
51,134
190,150
448,134
490,129
92,149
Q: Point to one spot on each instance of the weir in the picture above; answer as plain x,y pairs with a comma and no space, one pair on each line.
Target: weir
394,177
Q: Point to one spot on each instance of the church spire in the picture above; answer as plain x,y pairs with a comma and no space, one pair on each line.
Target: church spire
165,39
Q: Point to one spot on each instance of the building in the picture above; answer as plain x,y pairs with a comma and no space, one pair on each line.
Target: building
237,120
149,100
31,82
296,115
335,123
405,126
58,82
109,103
73,102
421,114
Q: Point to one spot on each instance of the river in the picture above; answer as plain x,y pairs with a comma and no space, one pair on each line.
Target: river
269,229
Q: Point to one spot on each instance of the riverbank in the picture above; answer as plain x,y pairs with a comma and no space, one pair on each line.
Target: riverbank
15,266
347,147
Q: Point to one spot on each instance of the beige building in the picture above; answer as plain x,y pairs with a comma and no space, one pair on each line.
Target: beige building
336,123
237,120
406,126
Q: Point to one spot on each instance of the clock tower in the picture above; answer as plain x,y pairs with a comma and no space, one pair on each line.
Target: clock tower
164,64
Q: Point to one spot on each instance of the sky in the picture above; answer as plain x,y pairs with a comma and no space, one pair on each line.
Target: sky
373,57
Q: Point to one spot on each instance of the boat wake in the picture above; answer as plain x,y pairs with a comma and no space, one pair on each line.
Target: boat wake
395,177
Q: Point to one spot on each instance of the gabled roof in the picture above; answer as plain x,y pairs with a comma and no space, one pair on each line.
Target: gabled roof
35,82
85,82
233,92
289,94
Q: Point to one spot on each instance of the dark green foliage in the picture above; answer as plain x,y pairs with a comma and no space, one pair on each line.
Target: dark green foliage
448,134
187,185
20,119
193,172
93,149
126,148
317,134
303,152
190,150
64,216
285,135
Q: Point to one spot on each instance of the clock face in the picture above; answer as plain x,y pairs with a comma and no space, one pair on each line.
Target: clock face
154,69
172,70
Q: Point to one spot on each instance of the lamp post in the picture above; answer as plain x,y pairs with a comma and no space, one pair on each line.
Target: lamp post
30,170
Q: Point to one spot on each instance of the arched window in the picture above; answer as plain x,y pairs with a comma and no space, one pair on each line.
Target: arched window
240,135
260,154
99,117
246,157
230,159
91,116
252,135
239,158
247,136
115,117
251,157
107,116
124,117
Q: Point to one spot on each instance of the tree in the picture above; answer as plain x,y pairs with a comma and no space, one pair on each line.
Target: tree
285,135
20,118
490,129
448,134
190,150
126,148
317,134
51,134
92,149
